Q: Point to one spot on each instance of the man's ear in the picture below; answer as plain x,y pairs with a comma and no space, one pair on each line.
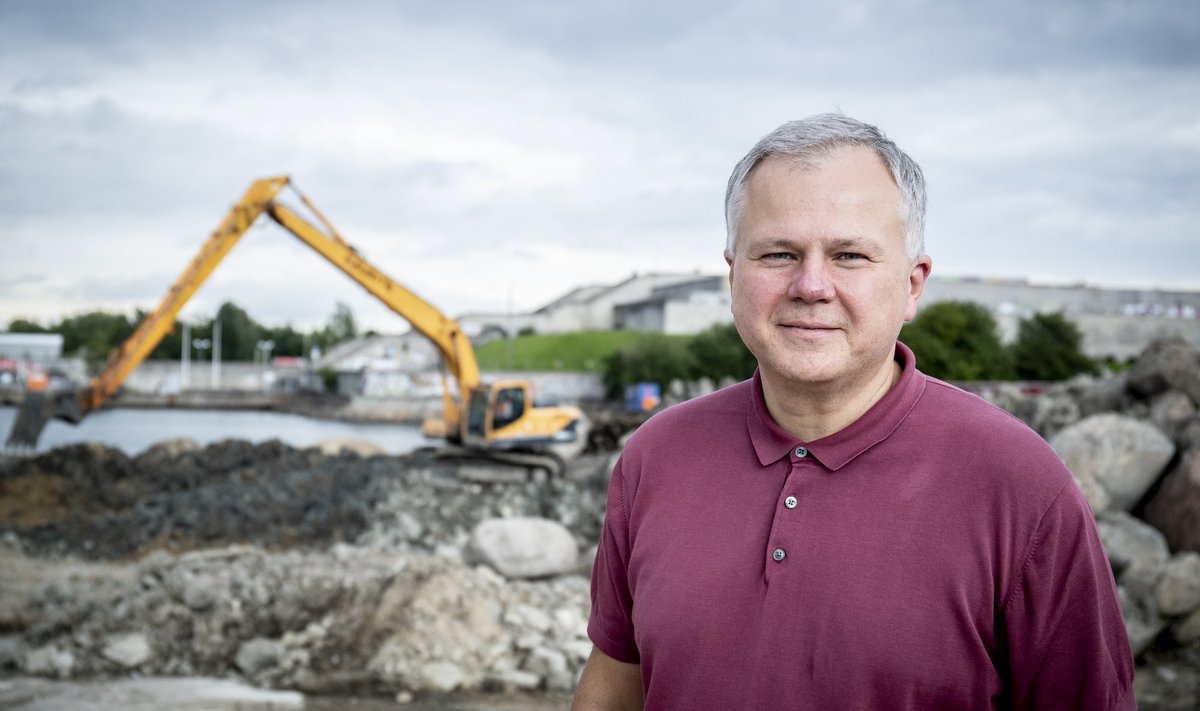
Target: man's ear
916,284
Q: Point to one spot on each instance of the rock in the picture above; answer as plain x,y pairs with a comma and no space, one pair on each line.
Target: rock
523,547
12,649
1170,410
258,655
1187,630
200,592
1123,455
361,447
1129,541
578,650
528,617
1097,498
1143,623
510,680
1188,434
1052,412
1178,591
441,676
551,664
1108,395
1167,363
49,661
1175,508
128,650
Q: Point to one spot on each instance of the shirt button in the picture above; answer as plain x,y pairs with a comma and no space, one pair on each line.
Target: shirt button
778,555
801,452
790,502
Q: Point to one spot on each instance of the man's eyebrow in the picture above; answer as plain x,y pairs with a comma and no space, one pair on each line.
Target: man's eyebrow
851,242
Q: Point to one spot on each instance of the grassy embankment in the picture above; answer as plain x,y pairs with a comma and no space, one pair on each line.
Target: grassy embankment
583,351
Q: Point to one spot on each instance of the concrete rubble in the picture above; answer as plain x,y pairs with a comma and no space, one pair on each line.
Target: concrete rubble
336,570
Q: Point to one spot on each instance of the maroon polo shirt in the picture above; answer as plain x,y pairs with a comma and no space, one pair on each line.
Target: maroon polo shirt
935,554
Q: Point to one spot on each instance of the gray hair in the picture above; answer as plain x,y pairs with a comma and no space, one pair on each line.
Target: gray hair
817,136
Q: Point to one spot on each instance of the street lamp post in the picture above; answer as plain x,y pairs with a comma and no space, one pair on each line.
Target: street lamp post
201,345
265,348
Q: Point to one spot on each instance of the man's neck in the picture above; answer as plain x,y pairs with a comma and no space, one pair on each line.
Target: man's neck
811,412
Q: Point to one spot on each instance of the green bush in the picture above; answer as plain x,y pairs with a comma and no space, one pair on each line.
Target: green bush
652,358
957,340
1049,347
718,352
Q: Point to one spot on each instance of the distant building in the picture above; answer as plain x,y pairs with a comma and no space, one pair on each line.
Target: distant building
384,366
31,347
680,308
585,308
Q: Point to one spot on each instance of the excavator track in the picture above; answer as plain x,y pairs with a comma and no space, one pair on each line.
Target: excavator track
481,464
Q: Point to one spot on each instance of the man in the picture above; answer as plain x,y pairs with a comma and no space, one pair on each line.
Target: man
841,531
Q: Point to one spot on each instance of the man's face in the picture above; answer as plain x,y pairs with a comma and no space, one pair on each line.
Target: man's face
820,280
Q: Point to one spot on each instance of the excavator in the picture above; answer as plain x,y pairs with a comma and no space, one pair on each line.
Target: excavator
496,421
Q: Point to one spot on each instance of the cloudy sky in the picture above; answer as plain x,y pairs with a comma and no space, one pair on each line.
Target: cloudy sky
491,156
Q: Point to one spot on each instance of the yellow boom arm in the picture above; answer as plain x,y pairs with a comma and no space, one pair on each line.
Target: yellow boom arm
444,332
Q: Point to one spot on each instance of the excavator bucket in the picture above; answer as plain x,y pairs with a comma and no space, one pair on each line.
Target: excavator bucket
35,411
39,407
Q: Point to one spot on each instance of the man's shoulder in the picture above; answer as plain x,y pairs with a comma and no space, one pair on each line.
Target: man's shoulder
991,439
971,412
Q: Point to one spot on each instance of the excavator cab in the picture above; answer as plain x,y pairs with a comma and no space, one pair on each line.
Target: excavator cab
502,416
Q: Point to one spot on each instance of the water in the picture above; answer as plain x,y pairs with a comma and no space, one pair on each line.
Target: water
132,430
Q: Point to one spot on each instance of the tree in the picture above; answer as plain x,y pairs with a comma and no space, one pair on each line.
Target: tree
718,352
1049,347
93,335
288,341
653,358
240,334
957,340
341,325
21,325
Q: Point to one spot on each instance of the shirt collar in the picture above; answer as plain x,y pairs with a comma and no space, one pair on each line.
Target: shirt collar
772,443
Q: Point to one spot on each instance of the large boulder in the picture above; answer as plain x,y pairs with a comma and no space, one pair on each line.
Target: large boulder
1107,395
1178,591
523,547
1129,541
128,650
1175,508
1187,630
1171,411
1167,363
1123,455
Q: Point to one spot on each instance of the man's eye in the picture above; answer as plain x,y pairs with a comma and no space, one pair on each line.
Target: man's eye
850,256
777,256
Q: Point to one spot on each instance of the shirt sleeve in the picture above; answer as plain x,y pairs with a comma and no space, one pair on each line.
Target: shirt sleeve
1067,644
610,625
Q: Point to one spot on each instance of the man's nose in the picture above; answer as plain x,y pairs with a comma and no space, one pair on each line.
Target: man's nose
811,281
